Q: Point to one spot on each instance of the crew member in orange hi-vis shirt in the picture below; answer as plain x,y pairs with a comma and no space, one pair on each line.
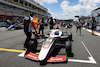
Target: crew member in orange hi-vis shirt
35,23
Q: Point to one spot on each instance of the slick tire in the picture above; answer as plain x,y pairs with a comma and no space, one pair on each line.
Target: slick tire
32,46
70,36
69,49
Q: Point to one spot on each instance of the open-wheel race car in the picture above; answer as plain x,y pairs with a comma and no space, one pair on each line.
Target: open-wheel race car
52,42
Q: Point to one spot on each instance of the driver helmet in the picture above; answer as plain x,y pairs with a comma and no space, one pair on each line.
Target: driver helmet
56,32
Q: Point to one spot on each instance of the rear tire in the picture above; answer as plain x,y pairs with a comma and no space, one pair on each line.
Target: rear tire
69,48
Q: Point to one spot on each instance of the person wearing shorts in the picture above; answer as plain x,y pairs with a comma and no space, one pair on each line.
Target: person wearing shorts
78,26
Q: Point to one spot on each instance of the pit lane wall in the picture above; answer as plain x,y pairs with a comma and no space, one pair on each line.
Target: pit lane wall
97,27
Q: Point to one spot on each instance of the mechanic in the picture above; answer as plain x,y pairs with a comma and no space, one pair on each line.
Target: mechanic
28,23
78,26
41,22
8,23
93,25
51,22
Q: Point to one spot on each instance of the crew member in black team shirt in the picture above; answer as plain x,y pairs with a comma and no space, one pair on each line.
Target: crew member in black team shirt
28,23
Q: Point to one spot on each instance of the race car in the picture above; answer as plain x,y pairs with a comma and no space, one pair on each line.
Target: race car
53,40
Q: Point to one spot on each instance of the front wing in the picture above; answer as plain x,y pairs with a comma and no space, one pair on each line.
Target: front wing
33,56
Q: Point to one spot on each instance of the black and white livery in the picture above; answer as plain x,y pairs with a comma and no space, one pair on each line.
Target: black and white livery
54,39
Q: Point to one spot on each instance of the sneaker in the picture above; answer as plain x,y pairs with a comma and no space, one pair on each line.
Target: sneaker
75,33
92,33
24,46
24,49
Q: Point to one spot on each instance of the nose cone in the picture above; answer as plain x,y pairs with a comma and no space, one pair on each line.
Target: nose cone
41,58
43,54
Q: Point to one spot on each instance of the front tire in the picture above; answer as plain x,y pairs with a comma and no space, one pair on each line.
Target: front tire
32,46
70,36
69,48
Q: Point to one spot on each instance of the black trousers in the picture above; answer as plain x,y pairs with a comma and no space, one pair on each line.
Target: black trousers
28,37
42,31
51,27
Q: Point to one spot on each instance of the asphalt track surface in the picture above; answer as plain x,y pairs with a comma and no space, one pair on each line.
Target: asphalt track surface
86,49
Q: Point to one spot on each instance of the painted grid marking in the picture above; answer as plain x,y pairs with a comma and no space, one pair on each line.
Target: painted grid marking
11,50
91,59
